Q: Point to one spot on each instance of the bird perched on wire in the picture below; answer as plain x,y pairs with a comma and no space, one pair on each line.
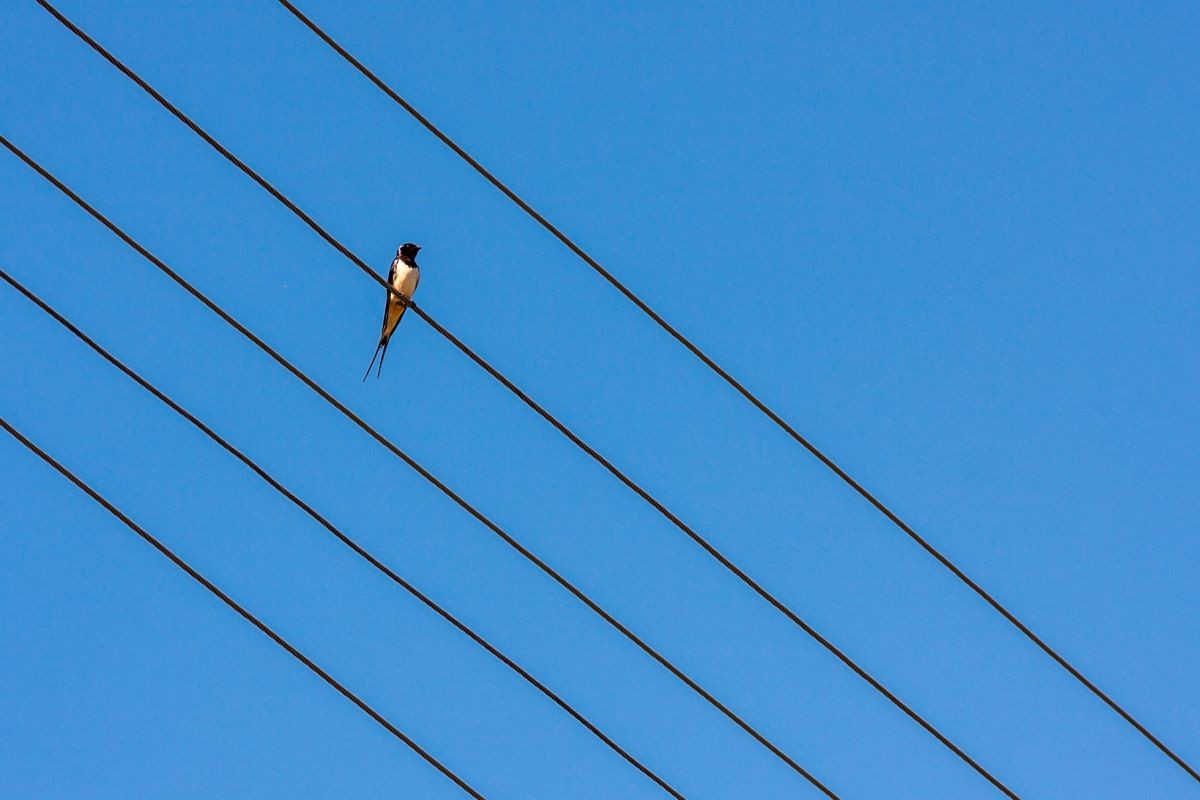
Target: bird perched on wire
403,277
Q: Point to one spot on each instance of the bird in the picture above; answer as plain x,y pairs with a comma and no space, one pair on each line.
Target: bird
403,277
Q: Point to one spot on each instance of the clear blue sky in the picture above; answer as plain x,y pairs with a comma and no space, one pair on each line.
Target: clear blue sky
956,247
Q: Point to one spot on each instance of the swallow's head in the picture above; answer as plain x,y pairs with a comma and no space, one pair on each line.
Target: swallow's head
408,250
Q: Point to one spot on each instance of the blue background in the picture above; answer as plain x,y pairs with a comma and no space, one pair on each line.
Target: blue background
956,247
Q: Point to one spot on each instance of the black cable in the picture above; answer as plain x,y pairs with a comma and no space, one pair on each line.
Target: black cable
229,601
645,308
338,534
525,398
415,466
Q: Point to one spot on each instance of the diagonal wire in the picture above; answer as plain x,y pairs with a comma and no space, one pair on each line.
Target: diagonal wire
338,534
658,506
233,604
415,466
749,396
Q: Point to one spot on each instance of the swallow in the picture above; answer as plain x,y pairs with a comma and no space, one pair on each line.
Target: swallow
403,277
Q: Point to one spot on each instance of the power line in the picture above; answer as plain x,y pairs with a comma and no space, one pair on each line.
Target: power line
658,506
753,399
415,466
229,601
338,534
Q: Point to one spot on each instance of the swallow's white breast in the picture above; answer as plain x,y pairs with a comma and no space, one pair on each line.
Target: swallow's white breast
404,281
406,278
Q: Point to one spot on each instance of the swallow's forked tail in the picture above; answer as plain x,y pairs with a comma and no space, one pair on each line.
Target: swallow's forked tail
381,347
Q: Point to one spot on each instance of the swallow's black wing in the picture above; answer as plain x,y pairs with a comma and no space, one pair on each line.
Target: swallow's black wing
383,337
387,300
